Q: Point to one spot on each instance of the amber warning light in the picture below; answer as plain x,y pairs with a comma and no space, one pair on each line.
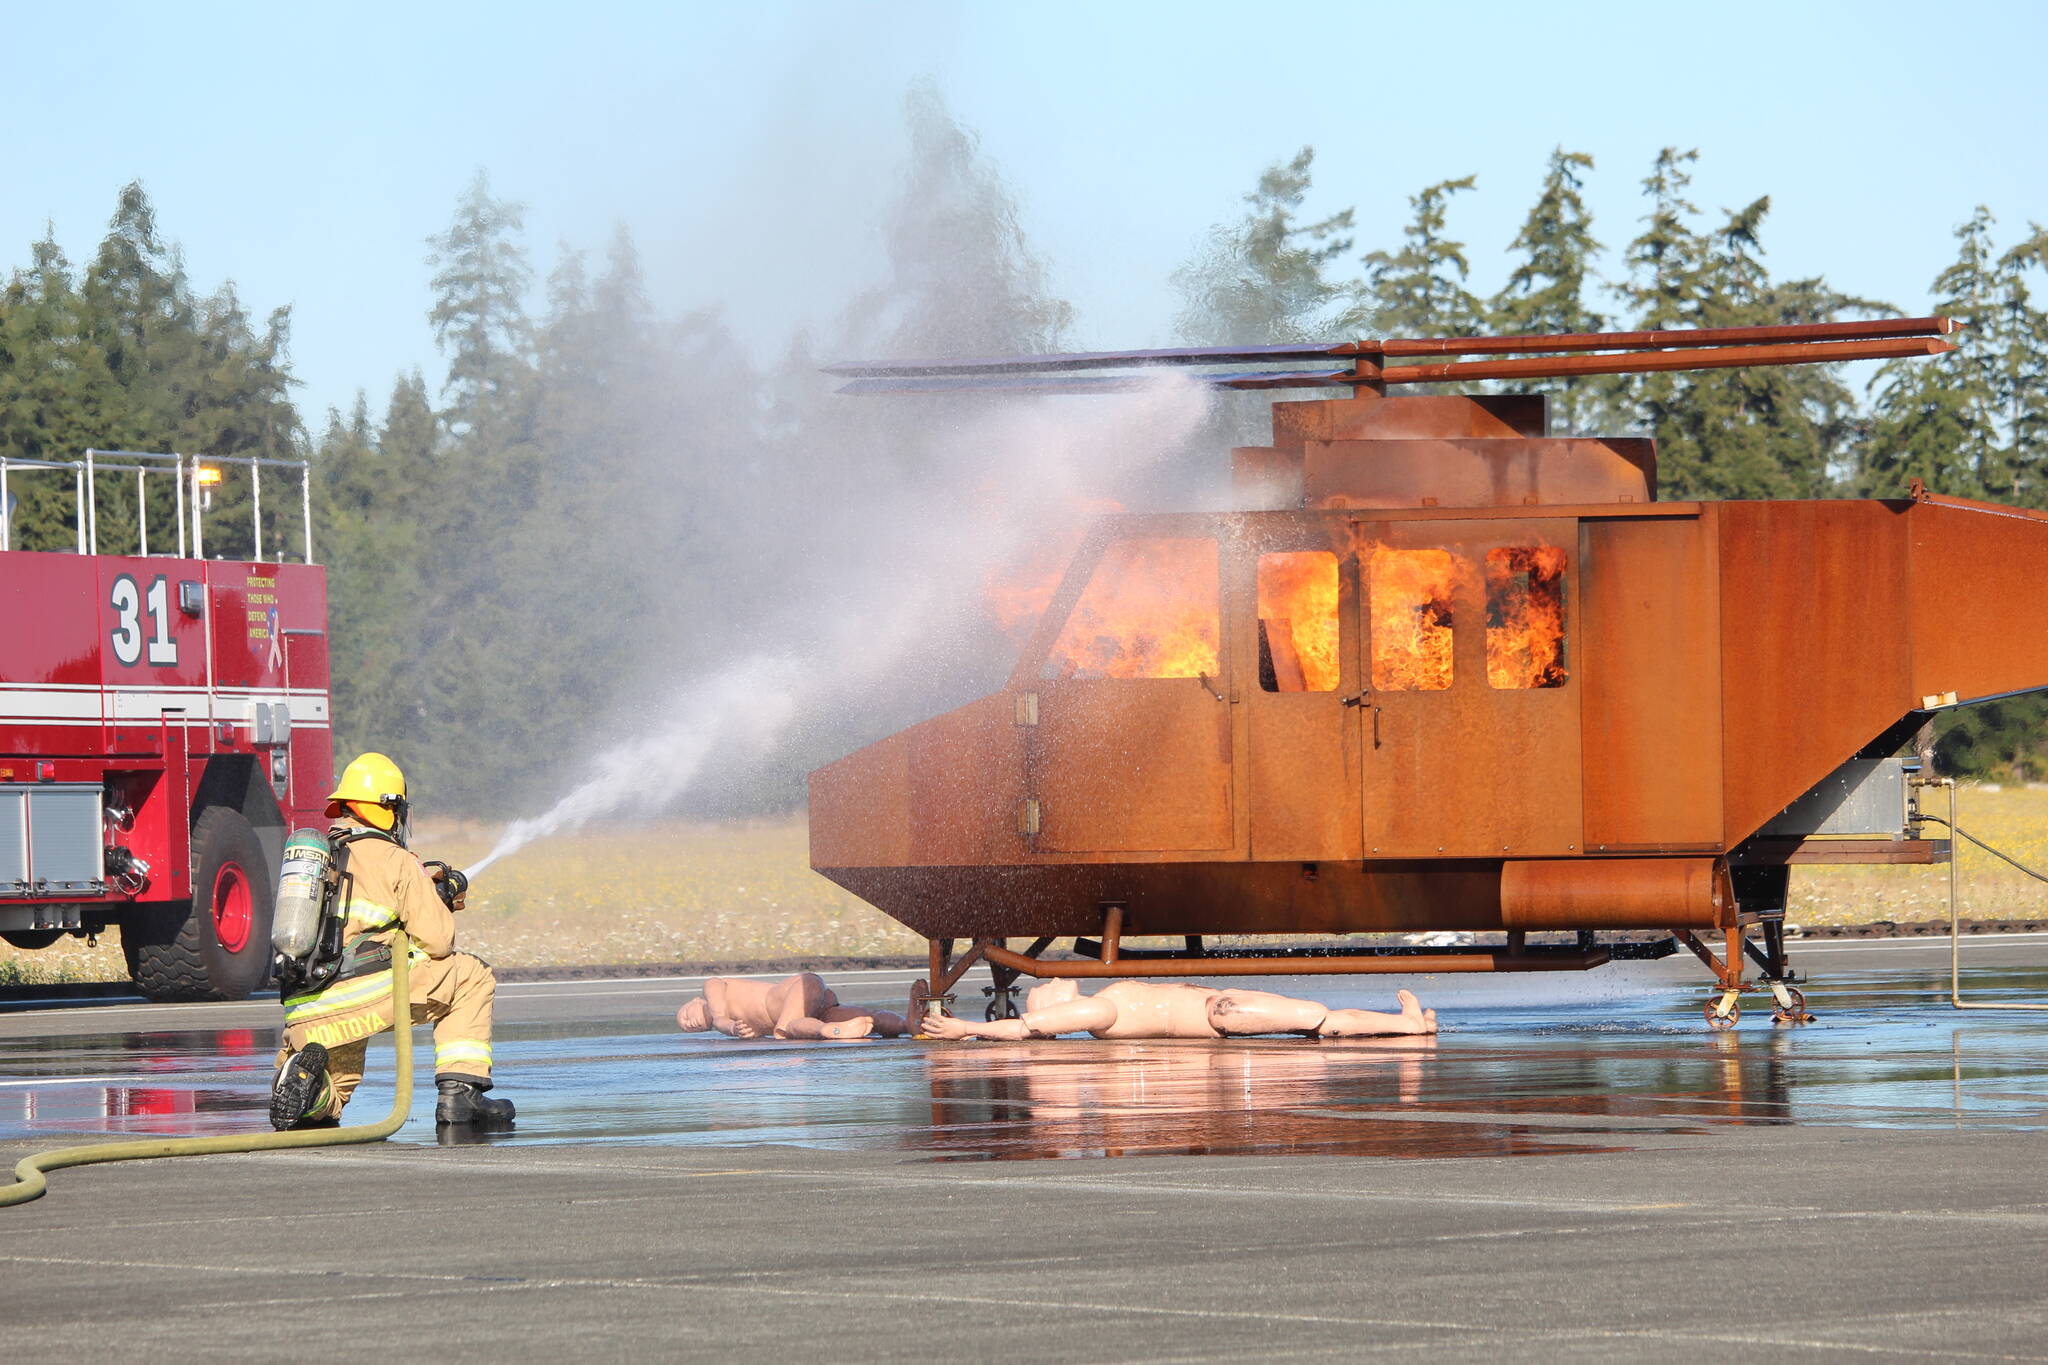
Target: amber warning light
206,476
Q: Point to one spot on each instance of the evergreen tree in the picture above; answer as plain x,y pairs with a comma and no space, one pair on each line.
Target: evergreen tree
1938,421
2001,740
1773,431
1265,279
359,547
470,634
963,280
1419,291
479,312
1546,292
127,356
1662,291
1664,260
54,388
2024,374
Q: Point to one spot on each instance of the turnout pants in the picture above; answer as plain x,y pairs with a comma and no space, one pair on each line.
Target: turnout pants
453,993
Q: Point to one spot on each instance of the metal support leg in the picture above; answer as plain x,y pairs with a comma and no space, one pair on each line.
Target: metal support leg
1002,995
1724,1009
933,995
928,995
1777,976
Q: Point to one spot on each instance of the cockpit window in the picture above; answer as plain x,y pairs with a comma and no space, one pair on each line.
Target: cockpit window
1525,643
1298,621
1411,592
1152,609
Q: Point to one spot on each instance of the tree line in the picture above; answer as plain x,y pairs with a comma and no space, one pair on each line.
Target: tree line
602,495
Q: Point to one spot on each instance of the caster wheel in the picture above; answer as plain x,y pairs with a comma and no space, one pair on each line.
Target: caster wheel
1794,1012
1717,1020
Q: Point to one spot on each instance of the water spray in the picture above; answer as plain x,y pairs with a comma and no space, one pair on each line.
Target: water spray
1035,466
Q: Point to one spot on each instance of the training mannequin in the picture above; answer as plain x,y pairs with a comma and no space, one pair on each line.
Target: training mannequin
1152,1009
799,1006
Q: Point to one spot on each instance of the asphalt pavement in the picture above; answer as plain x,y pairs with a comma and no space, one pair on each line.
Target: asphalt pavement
1575,1169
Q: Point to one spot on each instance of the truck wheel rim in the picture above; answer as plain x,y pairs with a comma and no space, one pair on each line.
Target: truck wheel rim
232,904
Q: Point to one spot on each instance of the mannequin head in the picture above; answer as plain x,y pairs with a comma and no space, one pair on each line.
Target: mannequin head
695,1016
1055,992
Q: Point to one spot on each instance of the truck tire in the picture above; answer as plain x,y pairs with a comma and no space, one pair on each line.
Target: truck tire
217,946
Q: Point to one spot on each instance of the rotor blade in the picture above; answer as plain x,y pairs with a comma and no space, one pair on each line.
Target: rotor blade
1800,333
1093,383
1094,360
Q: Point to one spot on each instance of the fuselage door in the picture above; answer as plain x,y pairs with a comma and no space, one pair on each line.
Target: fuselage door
1470,701
1130,743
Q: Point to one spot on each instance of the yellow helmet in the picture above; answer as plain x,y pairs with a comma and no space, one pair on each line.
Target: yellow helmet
373,789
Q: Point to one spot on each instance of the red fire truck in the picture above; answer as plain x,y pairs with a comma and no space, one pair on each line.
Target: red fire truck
163,724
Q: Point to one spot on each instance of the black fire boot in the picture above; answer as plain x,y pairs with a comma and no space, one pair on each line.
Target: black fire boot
301,1085
462,1100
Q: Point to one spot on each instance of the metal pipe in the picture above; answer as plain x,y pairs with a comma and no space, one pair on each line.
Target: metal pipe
1534,961
1637,362
142,511
1955,928
178,499
256,508
78,501
6,512
198,518
1881,328
92,502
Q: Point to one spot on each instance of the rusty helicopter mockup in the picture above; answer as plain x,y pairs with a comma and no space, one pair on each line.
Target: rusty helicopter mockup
1442,671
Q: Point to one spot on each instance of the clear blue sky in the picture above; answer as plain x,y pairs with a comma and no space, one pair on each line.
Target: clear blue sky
305,152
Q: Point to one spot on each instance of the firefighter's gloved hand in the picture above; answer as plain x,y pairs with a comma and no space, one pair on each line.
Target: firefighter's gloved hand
450,882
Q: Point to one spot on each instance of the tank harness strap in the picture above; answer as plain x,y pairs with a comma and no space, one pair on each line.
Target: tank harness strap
361,956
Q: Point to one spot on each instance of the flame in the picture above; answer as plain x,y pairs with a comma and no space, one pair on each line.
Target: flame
1525,617
1298,609
1410,592
1018,594
1152,609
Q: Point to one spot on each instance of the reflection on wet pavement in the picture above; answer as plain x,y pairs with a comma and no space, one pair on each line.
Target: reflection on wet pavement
1502,1080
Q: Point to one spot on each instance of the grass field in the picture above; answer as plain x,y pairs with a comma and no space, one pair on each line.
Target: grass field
743,891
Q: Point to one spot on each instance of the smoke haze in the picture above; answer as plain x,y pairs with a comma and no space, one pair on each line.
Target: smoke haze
658,579
910,617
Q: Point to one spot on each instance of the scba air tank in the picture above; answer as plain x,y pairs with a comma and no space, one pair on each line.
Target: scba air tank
301,892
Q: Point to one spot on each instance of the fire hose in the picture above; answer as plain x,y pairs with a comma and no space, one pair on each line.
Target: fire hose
29,1171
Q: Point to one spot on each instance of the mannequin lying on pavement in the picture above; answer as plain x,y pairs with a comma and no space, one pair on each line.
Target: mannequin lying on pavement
1150,1009
799,1006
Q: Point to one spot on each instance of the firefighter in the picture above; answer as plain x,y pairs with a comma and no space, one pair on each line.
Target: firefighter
391,900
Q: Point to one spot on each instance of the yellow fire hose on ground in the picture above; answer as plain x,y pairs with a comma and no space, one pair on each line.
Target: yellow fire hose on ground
28,1172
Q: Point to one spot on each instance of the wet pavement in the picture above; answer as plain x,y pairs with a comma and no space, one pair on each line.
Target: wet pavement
1864,1186
1525,1066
